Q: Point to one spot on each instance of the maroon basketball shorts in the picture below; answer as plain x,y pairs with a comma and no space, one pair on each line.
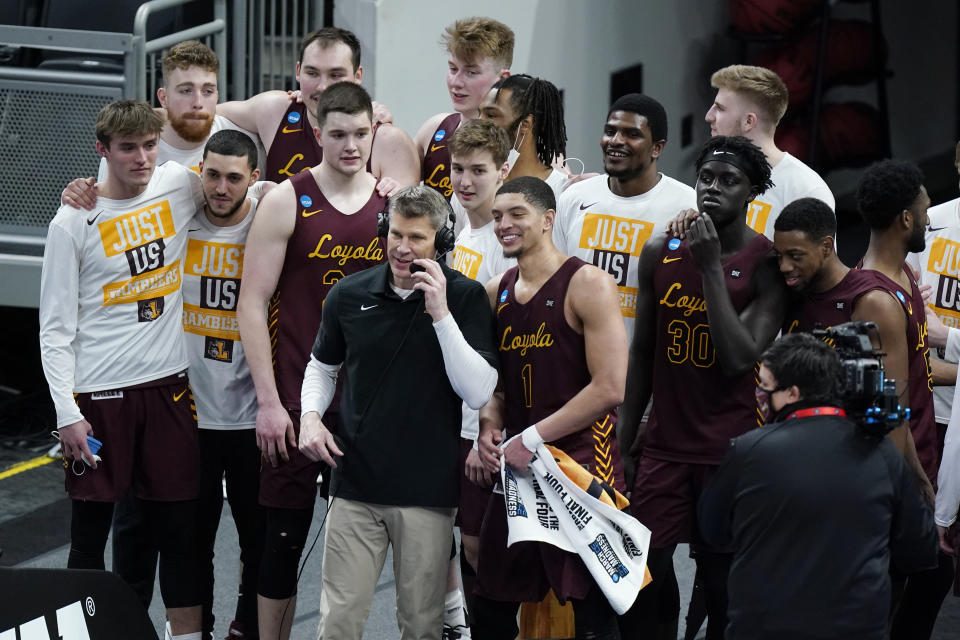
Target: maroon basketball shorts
149,436
525,571
664,499
473,497
293,484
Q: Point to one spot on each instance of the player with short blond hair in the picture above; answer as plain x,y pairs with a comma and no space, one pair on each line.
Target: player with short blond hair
481,52
750,102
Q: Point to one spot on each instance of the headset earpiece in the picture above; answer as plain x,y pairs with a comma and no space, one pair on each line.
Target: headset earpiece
446,239
443,241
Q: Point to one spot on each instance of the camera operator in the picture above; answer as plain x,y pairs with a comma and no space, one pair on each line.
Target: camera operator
815,508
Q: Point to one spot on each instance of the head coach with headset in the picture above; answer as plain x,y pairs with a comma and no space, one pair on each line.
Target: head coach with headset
416,340
815,507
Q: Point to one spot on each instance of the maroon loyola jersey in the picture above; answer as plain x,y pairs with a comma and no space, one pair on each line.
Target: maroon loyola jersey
295,148
326,245
436,161
824,309
697,408
922,418
543,363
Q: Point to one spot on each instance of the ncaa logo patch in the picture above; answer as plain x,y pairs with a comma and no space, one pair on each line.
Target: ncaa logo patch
306,200
293,117
673,244
439,135
901,298
503,296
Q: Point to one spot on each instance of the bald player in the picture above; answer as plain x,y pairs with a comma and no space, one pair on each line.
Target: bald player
287,128
481,52
712,302
750,102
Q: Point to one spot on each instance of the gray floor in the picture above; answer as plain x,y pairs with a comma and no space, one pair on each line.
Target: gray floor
41,489
381,624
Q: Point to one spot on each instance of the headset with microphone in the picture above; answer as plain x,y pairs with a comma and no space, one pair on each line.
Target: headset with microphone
444,241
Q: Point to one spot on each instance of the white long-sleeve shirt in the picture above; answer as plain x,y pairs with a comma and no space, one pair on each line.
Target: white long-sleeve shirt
110,301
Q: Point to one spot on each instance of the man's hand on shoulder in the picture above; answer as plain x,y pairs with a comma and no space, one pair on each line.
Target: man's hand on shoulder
381,115
679,226
81,194
316,441
274,432
387,186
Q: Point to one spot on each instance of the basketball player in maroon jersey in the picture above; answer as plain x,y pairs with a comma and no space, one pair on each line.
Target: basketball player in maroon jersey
287,128
563,366
481,52
893,202
310,231
828,293
713,302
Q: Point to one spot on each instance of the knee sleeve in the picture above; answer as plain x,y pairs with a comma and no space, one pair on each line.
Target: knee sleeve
286,534
89,527
174,524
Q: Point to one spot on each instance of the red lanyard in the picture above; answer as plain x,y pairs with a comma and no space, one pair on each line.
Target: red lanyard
818,411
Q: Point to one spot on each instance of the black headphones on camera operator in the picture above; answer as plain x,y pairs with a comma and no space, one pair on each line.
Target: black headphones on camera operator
443,242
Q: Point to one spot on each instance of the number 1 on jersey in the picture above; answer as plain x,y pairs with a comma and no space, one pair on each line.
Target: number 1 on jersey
526,374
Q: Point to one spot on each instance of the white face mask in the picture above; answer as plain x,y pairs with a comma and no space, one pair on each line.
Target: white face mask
513,154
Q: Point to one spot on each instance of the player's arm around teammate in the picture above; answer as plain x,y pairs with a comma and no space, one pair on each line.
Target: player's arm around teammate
739,338
266,249
395,156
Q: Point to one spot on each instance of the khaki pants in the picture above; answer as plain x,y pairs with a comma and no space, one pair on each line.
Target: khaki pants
354,550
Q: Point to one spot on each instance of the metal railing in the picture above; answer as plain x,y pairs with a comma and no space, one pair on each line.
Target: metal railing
46,124
146,52
273,34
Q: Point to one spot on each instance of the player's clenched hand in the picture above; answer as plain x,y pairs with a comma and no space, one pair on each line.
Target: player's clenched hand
274,431
73,442
386,187
316,441
703,241
475,470
295,96
679,226
517,456
489,449
80,193
434,286
381,115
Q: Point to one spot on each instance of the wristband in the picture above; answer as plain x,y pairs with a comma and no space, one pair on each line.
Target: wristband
531,438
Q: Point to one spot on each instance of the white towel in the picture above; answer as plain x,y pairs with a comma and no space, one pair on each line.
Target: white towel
545,505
